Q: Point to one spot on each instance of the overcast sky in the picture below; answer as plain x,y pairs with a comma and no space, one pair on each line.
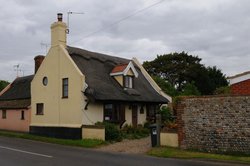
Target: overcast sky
215,30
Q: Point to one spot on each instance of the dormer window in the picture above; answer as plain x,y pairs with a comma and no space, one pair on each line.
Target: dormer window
124,74
128,81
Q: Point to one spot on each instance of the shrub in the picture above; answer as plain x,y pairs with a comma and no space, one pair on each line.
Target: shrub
166,115
130,132
112,132
225,90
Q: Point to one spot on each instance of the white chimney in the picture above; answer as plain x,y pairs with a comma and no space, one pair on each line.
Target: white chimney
58,32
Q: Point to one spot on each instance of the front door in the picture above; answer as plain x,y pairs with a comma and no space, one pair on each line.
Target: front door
134,115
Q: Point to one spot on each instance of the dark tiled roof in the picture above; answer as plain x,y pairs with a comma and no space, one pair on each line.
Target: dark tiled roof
103,87
15,104
19,89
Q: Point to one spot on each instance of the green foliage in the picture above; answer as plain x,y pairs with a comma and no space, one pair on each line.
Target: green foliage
170,152
190,90
166,115
87,143
225,90
3,84
175,72
130,132
112,132
217,78
165,86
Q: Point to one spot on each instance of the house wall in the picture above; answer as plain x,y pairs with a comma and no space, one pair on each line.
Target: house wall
241,88
94,114
119,79
214,123
58,111
128,116
130,73
13,120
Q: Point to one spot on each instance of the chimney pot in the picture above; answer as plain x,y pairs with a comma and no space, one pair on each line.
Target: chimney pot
59,17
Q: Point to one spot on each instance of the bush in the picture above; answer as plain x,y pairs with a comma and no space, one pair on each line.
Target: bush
112,132
130,132
225,90
166,115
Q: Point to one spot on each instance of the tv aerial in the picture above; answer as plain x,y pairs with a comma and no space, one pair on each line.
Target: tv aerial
68,14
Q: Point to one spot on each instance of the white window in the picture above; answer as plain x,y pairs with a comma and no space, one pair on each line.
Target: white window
128,82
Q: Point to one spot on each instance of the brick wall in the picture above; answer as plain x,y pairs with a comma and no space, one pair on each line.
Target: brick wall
241,88
214,124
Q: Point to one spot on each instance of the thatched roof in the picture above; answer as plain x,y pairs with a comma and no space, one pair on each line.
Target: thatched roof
102,87
18,95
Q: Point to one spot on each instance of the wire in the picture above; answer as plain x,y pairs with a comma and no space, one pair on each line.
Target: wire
118,21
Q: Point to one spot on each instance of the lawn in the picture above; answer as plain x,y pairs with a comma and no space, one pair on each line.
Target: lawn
87,143
169,152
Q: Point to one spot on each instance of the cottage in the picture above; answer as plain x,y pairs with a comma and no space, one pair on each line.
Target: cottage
75,87
15,102
240,83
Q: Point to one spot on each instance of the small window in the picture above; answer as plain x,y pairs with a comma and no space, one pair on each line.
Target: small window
4,114
108,111
112,112
65,87
128,82
22,115
45,81
39,108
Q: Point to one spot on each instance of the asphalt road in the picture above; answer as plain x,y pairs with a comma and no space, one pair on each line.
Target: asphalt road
19,152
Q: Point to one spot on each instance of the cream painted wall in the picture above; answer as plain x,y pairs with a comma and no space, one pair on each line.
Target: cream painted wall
141,117
128,115
130,73
119,79
169,139
58,111
93,114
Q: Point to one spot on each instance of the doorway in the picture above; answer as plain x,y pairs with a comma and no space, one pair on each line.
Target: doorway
134,115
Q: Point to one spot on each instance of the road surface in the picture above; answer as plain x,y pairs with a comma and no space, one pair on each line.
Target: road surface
20,152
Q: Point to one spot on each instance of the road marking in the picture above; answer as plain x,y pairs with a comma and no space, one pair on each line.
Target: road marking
22,151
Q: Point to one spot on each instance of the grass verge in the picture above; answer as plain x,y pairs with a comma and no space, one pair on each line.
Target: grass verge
87,143
169,152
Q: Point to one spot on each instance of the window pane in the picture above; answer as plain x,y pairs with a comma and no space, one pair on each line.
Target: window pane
112,112
128,82
3,114
65,87
39,108
22,115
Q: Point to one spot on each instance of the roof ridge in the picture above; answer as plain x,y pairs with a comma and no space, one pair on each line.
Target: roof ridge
94,55
240,74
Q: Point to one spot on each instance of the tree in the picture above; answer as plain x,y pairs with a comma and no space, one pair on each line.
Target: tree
181,70
217,78
3,84
165,86
176,68
190,90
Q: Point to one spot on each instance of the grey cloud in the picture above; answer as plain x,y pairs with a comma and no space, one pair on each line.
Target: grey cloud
215,30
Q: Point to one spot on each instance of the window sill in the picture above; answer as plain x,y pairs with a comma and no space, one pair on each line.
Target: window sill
65,97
